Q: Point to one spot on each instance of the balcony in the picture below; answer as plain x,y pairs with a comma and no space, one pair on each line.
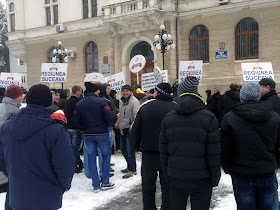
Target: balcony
129,7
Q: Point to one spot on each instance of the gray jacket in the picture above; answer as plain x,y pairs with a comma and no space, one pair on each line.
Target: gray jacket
7,107
128,112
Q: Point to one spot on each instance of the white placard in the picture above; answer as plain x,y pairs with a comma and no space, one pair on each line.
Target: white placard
148,81
116,81
8,79
137,63
190,68
164,76
54,72
158,75
94,78
257,71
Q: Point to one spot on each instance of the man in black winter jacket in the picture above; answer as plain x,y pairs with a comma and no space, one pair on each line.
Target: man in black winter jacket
145,133
250,150
190,149
269,94
74,132
212,103
228,99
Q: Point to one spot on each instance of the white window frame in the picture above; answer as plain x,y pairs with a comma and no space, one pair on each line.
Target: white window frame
9,16
51,5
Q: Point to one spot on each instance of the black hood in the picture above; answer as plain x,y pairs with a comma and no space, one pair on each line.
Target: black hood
234,95
253,111
189,104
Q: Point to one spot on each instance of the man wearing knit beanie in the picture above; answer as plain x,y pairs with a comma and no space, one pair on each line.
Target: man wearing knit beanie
10,103
145,133
93,116
250,149
36,154
129,106
189,146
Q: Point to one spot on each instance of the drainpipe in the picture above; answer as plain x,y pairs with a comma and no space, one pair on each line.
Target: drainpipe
177,41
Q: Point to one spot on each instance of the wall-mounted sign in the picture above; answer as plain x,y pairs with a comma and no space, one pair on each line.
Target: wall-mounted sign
137,63
106,72
222,45
257,71
54,72
221,54
105,67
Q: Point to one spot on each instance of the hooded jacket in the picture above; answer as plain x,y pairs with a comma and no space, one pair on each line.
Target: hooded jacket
250,140
227,100
108,99
36,155
190,142
146,127
7,107
274,99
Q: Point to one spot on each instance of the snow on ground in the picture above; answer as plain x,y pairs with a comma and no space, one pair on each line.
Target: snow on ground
81,195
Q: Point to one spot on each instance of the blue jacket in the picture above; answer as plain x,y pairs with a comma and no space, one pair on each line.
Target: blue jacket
36,156
93,115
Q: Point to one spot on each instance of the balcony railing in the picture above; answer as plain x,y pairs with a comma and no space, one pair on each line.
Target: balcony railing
128,7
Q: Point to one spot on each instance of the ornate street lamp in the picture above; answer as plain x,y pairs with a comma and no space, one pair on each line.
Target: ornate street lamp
163,42
60,55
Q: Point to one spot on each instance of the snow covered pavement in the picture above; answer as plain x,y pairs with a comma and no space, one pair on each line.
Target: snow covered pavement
127,192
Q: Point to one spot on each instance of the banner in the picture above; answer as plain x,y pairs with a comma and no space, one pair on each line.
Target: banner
8,79
190,68
257,71
94,78
54,72
148,81
116,81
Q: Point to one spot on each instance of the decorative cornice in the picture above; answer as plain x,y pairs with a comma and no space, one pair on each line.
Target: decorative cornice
228,8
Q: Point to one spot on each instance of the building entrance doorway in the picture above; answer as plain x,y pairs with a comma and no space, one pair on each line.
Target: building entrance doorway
142,48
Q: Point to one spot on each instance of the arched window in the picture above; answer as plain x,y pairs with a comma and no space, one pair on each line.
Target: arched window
199,43
247,39
142,48
12,7
91,54
12,17
50,54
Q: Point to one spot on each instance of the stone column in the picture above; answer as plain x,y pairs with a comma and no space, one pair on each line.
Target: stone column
118,53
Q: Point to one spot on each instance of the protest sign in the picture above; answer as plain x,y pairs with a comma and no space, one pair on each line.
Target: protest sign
190,68
54,72
148,81
164,76
137,63
8,79
94,78
158,75
116,81
257,71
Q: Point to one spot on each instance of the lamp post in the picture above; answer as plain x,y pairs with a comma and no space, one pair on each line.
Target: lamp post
163,42
60,55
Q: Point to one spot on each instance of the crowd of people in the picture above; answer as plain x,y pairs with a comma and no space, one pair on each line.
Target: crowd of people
184,141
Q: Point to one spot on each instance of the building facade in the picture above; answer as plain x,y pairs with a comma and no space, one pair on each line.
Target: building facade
112,31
